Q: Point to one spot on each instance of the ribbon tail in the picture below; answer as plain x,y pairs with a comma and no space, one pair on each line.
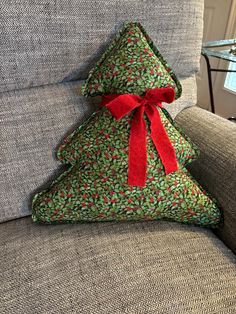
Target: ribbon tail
161,140
137,150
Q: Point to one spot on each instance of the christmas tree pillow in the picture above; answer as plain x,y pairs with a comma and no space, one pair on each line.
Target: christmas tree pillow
128,158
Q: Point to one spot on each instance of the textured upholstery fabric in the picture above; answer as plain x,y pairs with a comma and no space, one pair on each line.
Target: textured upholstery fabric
187,99
215,169
33,121
47,41
104,268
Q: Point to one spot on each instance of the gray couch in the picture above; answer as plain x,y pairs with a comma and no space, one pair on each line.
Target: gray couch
47,49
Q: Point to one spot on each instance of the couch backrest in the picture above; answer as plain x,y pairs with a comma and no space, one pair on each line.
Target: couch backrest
46,41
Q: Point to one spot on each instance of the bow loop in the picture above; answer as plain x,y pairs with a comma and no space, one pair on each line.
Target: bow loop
164,94
122,105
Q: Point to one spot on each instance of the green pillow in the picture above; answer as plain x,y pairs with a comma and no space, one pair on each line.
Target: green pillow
132,64
95,187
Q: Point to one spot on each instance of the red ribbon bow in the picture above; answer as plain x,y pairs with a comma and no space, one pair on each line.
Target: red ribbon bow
120,106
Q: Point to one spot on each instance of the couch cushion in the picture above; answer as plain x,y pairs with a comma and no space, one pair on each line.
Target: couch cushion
45,41
32,122
187,99
103,268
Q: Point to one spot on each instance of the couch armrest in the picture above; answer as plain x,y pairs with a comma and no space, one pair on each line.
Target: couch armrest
215,169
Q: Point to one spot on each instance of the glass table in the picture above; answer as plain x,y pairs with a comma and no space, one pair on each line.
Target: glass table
207,52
